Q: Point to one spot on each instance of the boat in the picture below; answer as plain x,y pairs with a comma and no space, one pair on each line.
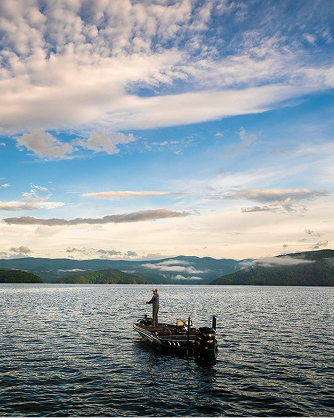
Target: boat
181,338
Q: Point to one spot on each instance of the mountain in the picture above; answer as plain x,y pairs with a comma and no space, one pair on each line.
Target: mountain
175,270
103,277
312,268
18,276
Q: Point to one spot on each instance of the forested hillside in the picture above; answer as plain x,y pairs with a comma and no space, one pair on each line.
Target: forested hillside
18,276
314,268
103,277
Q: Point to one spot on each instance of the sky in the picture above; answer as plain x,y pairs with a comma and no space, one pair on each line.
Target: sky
156,128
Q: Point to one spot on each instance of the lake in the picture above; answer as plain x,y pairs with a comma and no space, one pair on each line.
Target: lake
70,350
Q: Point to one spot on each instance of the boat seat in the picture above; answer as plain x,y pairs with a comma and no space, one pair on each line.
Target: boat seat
165,331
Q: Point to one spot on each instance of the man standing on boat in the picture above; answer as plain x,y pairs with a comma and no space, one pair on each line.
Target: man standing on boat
155,304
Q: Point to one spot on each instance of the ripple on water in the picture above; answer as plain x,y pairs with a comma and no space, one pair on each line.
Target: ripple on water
71,351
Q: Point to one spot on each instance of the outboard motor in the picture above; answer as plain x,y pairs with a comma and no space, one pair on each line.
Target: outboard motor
206,343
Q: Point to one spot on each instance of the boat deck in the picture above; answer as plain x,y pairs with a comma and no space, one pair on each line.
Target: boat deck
169,332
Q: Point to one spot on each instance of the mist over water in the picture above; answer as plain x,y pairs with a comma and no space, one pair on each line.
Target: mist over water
70,350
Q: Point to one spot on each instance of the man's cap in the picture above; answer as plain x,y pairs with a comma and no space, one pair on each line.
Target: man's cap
155,290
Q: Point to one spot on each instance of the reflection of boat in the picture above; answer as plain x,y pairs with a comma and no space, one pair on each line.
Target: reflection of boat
181,338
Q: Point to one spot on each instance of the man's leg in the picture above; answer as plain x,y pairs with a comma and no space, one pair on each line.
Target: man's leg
155,317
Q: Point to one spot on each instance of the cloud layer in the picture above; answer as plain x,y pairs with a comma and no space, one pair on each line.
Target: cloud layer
145,215
114,195
83,66
277,200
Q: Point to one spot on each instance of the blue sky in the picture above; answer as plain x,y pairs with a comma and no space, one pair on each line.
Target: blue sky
149,129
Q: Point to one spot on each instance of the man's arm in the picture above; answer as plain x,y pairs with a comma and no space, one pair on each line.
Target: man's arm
151,301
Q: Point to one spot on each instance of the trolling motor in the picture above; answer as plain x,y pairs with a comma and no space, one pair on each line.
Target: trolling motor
206,343
146,320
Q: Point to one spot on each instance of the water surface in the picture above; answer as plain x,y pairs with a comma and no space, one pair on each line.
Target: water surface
70,350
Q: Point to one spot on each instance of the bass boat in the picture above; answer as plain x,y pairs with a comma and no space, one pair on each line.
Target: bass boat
180,338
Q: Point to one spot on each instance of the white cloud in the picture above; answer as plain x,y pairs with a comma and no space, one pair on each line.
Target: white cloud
81,64
32,205
163,266
101,253
247,139
320,244
105,141
32,200
278,261
4,186
41,188
180,277
108,253
20,250
44,145
112,195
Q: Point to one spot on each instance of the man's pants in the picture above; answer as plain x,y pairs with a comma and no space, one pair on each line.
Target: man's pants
155,316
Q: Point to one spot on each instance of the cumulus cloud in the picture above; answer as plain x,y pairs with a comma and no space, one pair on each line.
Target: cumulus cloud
37,198
4,186
20,250
47,146
43,144
114,195
102,253
104,141
320,244
110,253
145,215
131,254
16,252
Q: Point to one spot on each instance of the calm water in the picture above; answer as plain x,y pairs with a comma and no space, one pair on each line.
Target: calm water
70,350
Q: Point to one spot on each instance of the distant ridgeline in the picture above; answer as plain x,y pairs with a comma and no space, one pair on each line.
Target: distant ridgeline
18,276
103,277
312,268
173,270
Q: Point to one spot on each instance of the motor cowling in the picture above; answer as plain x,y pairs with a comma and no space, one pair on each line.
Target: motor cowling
206,341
